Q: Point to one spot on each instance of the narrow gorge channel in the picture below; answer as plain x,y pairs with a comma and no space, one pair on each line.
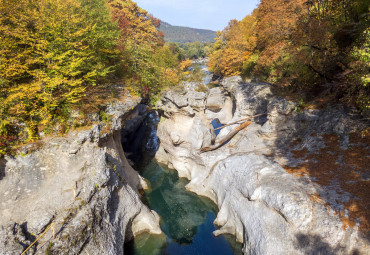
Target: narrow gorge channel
250,174
186,219
285,184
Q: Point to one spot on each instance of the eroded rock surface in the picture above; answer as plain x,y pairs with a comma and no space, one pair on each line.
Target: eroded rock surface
83,185
262,201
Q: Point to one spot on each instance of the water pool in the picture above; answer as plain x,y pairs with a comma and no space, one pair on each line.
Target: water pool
187,219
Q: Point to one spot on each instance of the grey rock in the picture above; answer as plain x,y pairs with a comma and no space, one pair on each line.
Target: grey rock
177,99
266,208
93,117
13,240
184,100
81,183
120,110
215,100
196,99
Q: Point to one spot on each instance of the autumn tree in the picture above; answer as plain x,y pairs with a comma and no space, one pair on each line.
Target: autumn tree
52,52
233,47
142,44
360,75
308,45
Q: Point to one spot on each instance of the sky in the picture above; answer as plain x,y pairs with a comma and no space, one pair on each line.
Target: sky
207,14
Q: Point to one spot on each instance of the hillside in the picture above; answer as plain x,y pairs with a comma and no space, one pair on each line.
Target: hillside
186,34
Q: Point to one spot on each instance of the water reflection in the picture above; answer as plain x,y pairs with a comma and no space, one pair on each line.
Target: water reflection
187,220
181,211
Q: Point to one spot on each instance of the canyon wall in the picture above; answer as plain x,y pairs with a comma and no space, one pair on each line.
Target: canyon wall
81,185
269,207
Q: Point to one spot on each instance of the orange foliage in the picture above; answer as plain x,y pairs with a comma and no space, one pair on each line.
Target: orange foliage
233,47
136,24
299,43
347,176
185,65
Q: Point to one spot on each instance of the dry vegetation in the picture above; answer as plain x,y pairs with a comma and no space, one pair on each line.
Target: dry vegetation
343,170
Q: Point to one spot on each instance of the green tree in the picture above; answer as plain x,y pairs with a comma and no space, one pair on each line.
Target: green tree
360,78
52,52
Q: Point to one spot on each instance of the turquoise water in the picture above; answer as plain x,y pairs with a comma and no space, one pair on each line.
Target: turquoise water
187,219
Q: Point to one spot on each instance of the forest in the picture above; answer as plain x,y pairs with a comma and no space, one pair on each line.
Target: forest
192,50
56,56
307,47
186,34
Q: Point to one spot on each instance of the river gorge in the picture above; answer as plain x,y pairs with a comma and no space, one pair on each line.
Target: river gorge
149,185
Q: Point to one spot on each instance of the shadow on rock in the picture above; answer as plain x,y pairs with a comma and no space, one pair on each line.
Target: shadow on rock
324,147
2,168
24,237
114,202
313,244
141,144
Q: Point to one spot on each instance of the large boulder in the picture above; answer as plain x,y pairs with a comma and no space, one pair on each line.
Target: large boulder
215,100
83,186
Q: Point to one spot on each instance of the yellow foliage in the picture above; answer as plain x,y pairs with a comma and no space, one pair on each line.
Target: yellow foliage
169,77
52,51
56,52
233,47
185,65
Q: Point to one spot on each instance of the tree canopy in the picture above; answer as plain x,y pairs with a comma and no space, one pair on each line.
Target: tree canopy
300,44
54,52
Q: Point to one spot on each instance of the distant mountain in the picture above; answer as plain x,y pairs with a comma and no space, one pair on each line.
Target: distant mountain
186,34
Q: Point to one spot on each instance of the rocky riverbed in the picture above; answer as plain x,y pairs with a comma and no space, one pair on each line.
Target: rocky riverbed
280,184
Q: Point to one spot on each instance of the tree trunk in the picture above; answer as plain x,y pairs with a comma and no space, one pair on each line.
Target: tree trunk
226,138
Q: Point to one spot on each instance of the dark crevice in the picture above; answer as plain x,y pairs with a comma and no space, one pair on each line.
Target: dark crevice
2,168
85,242
47,225
26,237
139,141
113,204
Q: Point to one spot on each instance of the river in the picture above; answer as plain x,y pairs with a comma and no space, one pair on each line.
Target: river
186,219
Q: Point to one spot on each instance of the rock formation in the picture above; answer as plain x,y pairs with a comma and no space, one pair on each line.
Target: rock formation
289,183
271,209
83,185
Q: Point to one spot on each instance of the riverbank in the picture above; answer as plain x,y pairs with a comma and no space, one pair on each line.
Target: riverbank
294,181
78,193
265,196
